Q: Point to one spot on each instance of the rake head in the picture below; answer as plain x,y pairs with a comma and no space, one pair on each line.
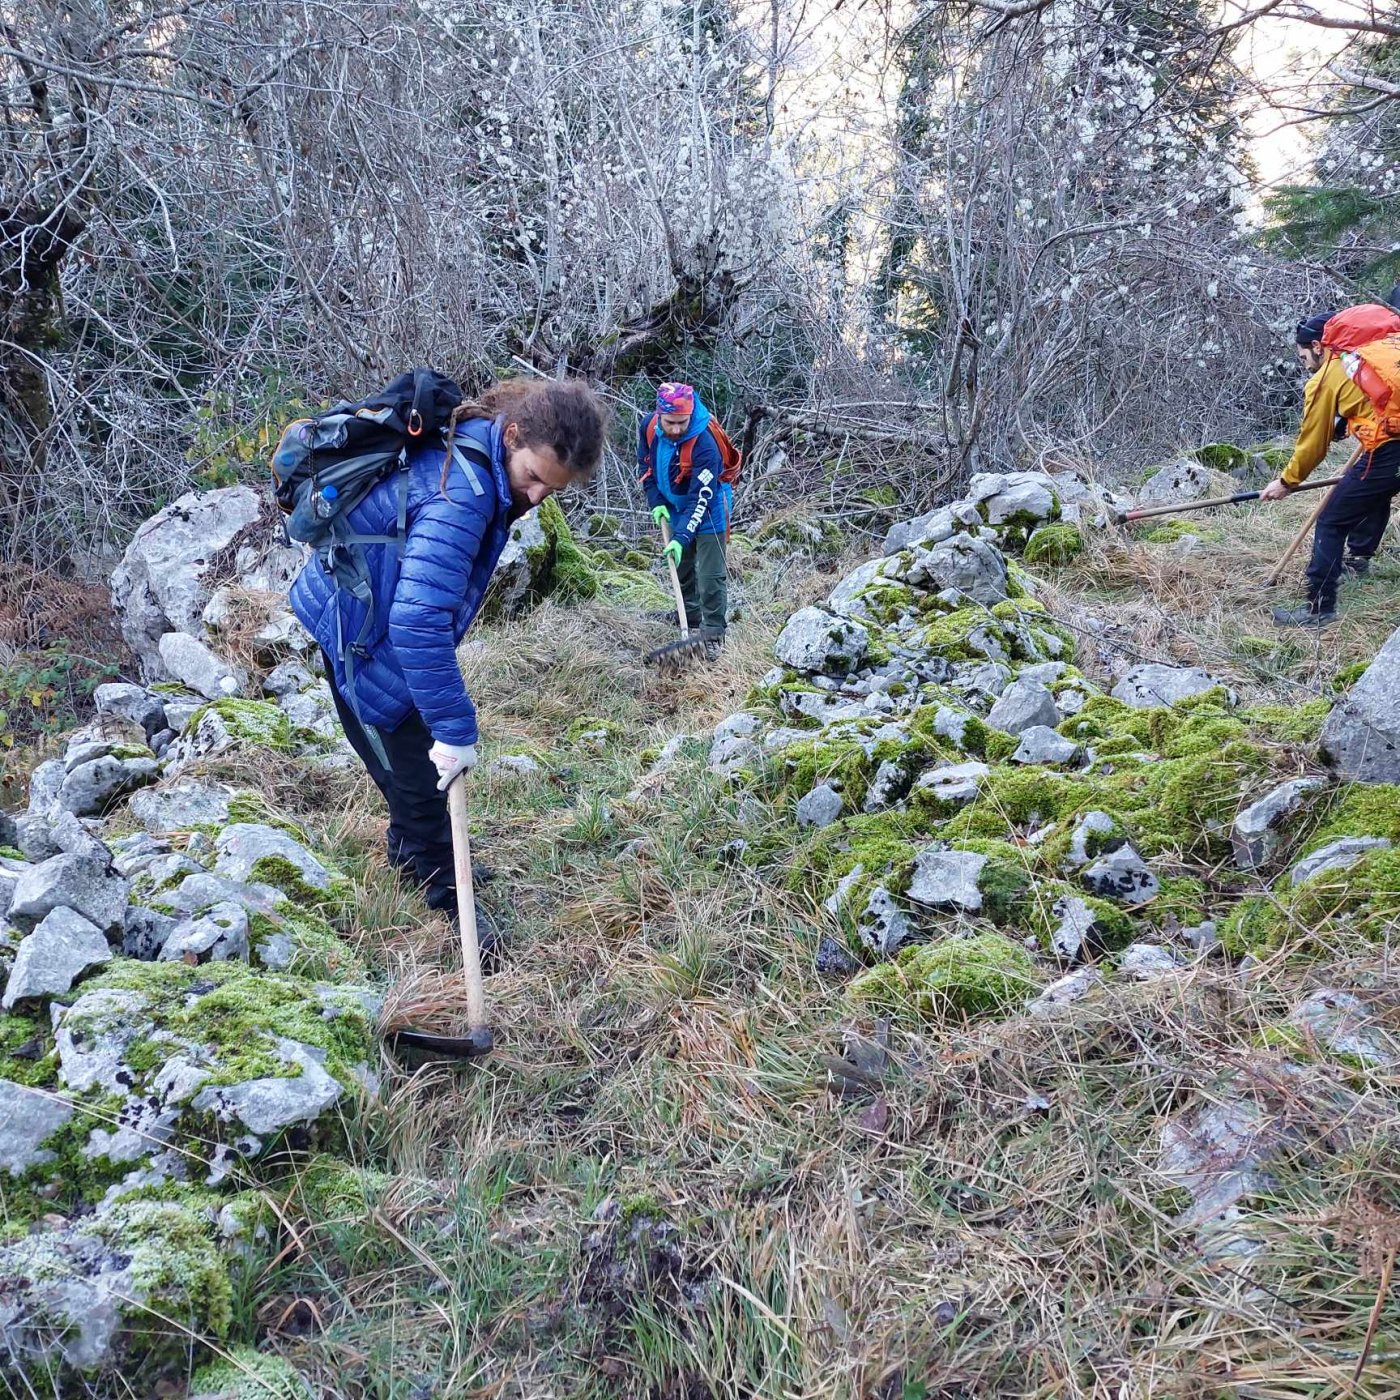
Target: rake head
677,657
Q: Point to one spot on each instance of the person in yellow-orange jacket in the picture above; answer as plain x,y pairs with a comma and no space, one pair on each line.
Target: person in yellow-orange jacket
1352,523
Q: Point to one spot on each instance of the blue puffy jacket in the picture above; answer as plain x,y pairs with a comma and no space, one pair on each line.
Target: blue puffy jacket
424,599
700,504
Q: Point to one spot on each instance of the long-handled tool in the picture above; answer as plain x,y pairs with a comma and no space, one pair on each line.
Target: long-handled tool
478,1039
1306,528
1125,516
677,655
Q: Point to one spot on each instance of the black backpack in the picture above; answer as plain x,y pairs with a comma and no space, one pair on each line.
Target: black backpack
326,465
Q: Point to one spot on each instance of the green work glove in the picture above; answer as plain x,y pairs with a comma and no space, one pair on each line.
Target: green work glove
661,515
673,552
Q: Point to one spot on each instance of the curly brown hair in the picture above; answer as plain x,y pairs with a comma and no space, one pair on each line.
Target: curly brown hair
564,415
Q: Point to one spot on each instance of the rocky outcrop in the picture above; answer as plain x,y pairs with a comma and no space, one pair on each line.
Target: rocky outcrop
1361,738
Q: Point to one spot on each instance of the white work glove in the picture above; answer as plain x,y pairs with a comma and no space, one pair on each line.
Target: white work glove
451,760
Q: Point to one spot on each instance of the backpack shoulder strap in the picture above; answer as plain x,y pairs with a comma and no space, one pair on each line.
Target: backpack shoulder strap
469,455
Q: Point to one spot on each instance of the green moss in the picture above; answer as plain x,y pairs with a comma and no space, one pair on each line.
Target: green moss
128,751
237,1011
317,951
328,1188
603,526
1274,458
597,733
245,1374
1337,914
1168,531
1054,544
1358,809
1349,675
799,768
883,844
1222,457
10,853
256,722
38,1066
282,874
953,980
575,576
253,808
1289,724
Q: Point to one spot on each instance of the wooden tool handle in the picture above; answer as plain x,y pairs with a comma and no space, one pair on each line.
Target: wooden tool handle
1306,528
466,902
675,582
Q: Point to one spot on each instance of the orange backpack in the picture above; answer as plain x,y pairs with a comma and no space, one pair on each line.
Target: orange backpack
731,459
1366,339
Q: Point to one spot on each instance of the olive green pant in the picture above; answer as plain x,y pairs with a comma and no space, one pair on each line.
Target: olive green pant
705,583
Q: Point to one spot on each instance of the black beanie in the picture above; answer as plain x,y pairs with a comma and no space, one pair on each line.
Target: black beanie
1311,329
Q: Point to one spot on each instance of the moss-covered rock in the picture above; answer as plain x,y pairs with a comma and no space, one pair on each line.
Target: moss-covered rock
244,1374
955,979
258,723
1056,545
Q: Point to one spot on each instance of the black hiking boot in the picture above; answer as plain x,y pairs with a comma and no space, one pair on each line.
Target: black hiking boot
1356,564
1305,615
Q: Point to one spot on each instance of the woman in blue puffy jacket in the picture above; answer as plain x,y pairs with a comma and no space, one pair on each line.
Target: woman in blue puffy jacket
400,693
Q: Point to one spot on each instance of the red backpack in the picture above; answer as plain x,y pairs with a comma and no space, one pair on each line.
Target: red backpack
1367,341
731,459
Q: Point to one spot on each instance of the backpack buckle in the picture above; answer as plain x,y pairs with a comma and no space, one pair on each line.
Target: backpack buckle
359,650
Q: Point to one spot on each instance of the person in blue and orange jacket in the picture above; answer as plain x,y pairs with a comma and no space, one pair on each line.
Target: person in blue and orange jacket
680,464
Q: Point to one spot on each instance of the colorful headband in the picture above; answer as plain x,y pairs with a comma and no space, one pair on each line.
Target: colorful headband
675,398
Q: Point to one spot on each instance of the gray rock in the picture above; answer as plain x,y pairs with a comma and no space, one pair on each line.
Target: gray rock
887,786
932,528
1089,826
34,837
1041,744
1202,937
980,680
181,805
242,845
87,886
45,783
738,726
269,1105
1361,736
74,838
1175,484
880,923
193,664
220,934
1336,855
845,600
1067,990
133,702
1153,684
54,956
1023,705
947,880
1079,932
524,569
820,807
92,1037
180,711
133,853
1346,1025
1019,497
733,755
90,789
515,765
953,783
289,678
951,724
1255,835
1046,672
281,633
814,640
972,566
159,584
1121,875
1148,962
832,961
161,741
28,1118
144,933
196,893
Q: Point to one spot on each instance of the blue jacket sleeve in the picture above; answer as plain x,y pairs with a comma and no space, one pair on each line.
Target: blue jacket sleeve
444,538
702,490
644,473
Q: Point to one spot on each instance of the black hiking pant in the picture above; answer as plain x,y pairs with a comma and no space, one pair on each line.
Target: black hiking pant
420,834
704,578
1353,520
